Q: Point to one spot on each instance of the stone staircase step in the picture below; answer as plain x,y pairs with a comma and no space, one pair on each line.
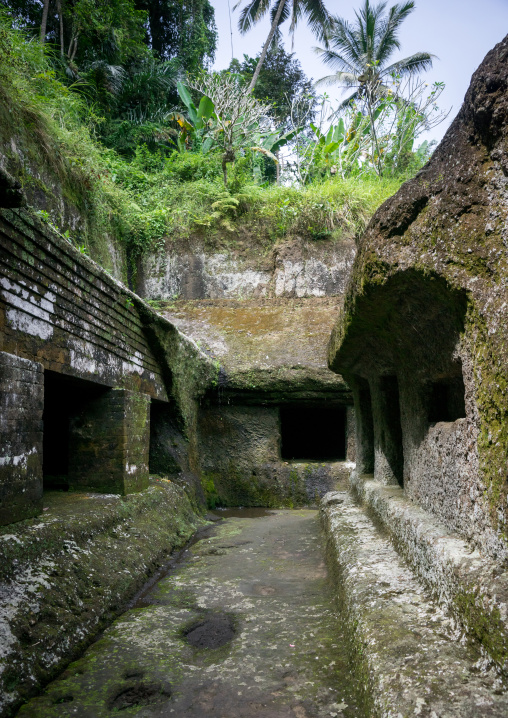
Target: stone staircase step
471,587
408,656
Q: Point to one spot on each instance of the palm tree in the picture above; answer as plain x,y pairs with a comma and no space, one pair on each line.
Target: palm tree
281,10
359,54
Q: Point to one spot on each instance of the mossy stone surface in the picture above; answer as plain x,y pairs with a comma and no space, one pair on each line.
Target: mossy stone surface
70,571
264,577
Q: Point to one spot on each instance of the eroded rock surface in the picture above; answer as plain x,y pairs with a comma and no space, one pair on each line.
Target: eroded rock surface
245,270
65,575
423,336
271,354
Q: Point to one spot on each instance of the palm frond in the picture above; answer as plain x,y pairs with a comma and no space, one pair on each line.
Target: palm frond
355,97
364,47
318,17
419,62
106,77
345,41
348,79
284,14
367,24
336,61
251,14
387,40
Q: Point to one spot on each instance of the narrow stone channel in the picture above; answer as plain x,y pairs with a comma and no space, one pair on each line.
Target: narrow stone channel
244,625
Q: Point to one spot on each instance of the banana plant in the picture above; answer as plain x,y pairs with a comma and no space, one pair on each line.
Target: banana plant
342,146
199,119
332,140
269,144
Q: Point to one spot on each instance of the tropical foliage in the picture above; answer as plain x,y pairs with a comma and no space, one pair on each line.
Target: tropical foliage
342,140
360,55
281,80
108,127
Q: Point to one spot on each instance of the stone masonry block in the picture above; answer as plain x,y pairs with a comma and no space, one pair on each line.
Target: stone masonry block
109,443
21,404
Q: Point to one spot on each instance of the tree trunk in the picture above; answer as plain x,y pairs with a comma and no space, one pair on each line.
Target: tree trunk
375,144
44,21
60,20
266,46
225,171
228,156
73,46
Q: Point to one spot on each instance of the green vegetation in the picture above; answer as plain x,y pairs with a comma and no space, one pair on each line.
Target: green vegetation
185,195
280,81
389,107
46,141
115,148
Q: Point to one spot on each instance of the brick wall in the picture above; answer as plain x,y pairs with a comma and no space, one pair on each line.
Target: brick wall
59,308
21,404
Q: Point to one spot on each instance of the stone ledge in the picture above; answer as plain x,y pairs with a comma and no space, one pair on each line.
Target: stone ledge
474,589
65,575
406,653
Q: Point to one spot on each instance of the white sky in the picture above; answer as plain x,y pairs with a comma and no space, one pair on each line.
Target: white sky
459,32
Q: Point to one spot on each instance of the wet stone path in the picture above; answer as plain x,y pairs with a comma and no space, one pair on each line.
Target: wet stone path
244,625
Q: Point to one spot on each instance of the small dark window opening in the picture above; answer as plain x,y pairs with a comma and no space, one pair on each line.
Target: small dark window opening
446,399
392,437
64,398
313,433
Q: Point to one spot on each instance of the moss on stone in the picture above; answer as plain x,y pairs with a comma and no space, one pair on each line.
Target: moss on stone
484,624
444,226
74,568
273,485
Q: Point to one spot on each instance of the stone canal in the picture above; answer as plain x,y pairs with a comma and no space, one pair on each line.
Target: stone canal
242,624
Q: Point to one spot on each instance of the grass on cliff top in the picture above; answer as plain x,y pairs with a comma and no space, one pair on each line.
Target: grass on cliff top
185,195
47,140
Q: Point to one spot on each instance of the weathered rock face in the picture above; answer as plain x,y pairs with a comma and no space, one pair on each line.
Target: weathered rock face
423,338
296,268
264,313
32,174
273,378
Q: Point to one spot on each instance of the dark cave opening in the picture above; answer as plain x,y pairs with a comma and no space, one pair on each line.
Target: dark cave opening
392,433
64,399
365,438
313,433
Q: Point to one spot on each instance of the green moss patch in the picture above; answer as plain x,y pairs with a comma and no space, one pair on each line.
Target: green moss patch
74,568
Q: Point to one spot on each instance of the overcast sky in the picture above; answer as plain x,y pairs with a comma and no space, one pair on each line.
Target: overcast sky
459,32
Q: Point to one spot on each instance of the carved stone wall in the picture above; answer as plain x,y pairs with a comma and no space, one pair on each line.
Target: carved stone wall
423,334
59,308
